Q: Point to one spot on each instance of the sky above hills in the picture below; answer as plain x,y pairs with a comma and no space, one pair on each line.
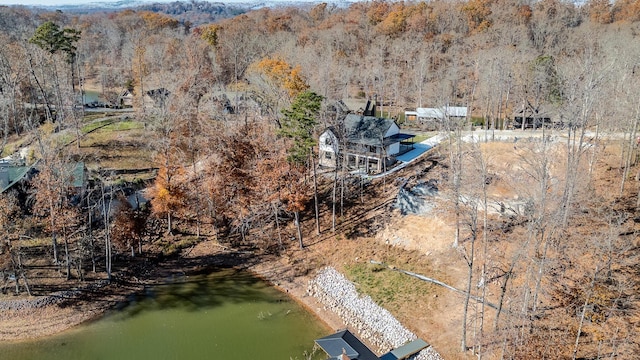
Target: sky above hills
70,2
129,3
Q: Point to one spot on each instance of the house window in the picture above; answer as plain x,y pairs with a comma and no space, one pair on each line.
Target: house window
328,141
327,155
372,148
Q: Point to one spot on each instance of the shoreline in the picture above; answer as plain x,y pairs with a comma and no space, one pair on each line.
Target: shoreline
296,290
20,323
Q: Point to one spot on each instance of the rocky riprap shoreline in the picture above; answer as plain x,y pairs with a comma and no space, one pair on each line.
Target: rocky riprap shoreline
53,299
373,323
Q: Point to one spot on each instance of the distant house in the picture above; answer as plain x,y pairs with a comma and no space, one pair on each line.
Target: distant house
530,117
357,106
11,174
73,176
367,143
158,97
437,115
125,99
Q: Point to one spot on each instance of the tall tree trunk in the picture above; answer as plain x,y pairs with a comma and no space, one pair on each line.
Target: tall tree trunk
275,214
67,258
463,343
470,262
49,112
22,274
584,310
54,242
630,151
315,192
107,241
333,195
298,228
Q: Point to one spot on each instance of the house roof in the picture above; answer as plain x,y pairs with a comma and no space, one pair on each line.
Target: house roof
439,113
369,130
405,351
354,104
366,130
77,174
334,345
456,111
10,175
429,113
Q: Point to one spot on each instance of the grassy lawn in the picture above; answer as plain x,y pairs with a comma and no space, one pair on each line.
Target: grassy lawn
118,145
389,289
94,125
112,125
88,117
420,138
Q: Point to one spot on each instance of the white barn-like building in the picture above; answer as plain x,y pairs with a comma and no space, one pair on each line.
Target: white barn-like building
437,114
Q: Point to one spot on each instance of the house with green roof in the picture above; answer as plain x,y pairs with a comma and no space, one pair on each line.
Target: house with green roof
11,174
74,175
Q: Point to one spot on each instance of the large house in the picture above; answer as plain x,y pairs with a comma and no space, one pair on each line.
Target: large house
367,143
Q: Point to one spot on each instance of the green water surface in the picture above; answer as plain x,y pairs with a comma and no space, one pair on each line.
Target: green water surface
225,315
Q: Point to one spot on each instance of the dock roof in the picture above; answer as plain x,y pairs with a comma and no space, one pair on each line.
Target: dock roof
334,345
406,350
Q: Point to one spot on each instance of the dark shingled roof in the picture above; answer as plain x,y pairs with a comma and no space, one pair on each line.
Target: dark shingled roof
334,344
366,130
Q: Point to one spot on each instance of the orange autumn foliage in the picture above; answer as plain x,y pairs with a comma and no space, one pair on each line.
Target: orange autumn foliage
283,75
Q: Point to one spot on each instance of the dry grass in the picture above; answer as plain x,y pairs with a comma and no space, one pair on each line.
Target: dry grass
117,146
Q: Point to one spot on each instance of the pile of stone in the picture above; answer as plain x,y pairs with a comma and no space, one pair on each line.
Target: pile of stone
373,323
415,200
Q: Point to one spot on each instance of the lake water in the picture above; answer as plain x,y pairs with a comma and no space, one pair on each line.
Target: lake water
226,315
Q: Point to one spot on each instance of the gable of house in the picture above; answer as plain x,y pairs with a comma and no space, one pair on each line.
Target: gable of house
328,140
125,98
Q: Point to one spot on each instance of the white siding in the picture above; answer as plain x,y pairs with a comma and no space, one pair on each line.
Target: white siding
393,148
328,141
